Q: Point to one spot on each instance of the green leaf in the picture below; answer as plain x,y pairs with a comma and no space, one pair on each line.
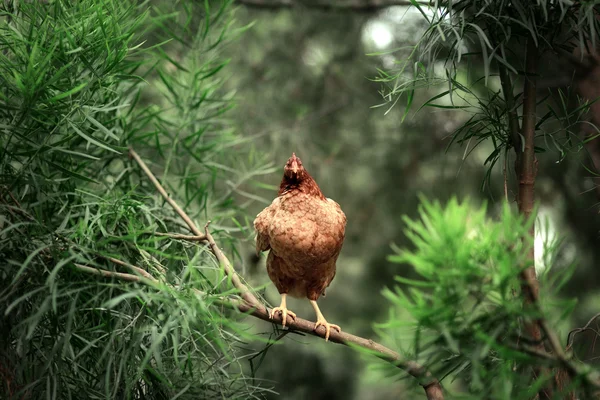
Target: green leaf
101,127
68,93
413,282
96,142
70,173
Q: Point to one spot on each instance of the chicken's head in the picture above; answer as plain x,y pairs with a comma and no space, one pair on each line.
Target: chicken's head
293,169
295,177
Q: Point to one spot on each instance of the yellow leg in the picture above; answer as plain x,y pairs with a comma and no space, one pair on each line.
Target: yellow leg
283,310
322,321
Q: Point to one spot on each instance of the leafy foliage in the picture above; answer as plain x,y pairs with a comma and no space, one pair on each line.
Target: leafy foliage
475,52
487,57
465,309
493,30
81,81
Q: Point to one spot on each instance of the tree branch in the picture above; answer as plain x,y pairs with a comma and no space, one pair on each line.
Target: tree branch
354,6
426,380
250,304
574,332
112,274
429,383
138,270
223,261
189,238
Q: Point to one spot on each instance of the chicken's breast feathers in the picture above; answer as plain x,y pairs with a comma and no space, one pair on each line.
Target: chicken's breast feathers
305,230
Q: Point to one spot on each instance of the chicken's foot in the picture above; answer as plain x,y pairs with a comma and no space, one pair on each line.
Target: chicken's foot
321,321
283,310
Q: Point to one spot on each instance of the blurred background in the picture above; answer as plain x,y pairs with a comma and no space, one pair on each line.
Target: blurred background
304,79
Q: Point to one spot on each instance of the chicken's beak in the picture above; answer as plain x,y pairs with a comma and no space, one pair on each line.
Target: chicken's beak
294,167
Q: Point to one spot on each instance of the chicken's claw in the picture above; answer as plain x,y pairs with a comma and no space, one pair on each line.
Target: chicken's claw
284,314
327,326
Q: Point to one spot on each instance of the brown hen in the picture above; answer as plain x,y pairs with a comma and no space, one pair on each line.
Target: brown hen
304,232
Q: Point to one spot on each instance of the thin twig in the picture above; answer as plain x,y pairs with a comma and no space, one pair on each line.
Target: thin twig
178,236
113,274
164,194
19,208
155,263
223,261
139,270
505,176
532,351
574,332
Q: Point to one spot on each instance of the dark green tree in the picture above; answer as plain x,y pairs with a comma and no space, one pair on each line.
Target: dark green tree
94,303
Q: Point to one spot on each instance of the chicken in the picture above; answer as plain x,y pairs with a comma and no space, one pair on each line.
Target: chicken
304,232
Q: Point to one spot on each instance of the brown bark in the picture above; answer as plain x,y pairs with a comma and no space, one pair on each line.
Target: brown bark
432,387
562,381
526,171
527,168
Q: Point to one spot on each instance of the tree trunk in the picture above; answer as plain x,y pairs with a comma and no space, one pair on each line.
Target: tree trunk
526,171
